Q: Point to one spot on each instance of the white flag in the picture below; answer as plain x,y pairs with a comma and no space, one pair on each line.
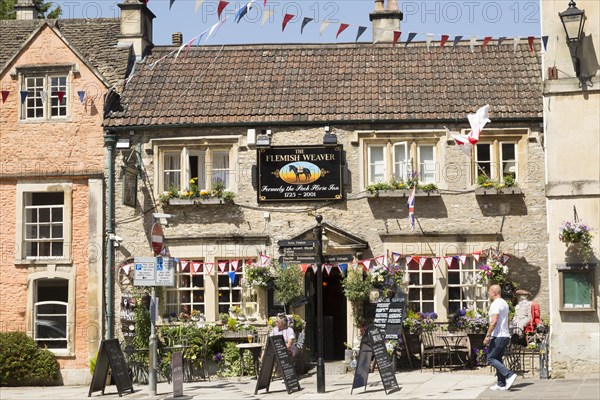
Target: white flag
266,16
516,41
472,43
324,26
198,5
429,39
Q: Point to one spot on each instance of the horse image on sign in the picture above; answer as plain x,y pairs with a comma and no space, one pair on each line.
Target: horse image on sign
300,173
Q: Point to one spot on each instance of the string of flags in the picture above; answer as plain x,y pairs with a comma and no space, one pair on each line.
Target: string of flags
43,95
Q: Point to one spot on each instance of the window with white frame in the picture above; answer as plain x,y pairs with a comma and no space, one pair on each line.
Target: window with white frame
464,290
204,166
188,293
497,160
230,292
400,161
47,97
421,286
51,320
44,224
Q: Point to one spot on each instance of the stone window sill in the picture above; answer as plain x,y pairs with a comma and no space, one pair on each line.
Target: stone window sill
42,261
493,191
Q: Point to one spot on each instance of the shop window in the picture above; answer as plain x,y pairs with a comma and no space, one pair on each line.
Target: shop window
464,290
577,292
51,320
188,293
230,293
421,289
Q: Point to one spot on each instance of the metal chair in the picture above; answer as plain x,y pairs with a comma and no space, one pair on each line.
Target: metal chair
430,349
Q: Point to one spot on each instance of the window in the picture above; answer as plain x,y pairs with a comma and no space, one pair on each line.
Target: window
508,160
483,160
51,313
230,293
401,162
464,291
427,164
206,166
44,232
377,171
188,293
577,292
47,97
421,286
496,160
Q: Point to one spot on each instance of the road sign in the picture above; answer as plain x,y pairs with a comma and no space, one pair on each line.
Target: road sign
297,251
297,243
299,260
158,237
154,271
338,258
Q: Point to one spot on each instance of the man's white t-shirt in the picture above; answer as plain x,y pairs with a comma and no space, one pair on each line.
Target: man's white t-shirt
287,333
500,307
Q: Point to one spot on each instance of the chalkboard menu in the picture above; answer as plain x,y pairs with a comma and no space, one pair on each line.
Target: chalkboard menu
373,344
110,355
389,315
277,350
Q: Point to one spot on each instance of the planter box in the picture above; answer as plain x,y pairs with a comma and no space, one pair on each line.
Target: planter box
492,191
402,193
180,202
197,200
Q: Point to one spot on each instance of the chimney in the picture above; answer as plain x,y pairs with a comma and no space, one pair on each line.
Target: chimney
26,9
385,21
177,39
136,27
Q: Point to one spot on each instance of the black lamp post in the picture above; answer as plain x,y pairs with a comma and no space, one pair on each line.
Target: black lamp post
573,20
318,232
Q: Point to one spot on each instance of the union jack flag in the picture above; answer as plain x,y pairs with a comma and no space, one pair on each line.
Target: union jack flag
411,207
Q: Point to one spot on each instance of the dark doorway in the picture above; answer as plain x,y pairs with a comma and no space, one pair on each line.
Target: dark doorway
334,315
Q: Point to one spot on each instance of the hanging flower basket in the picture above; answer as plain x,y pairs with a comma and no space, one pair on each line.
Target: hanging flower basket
578,237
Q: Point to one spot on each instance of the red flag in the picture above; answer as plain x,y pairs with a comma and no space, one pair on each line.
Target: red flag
61,95
396,37
5,95
486,40
221,7
342,29
416,258
287,18
530,39
304,268
444,40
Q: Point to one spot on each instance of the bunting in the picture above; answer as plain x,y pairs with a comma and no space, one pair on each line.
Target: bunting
448,260
411,36
456,40
477,255
208,268
324,26
43,96
328,268
221,7
183,265
222,266
231,275
501,39
341,29
516,42
5,94
243,11
234,264
505,259
287,18
380,260
305,22
411,207
196,265
24,94
397,35
530,40
422,261
444,40
463,259
429,40
343,268
408,259
435,261
545,43
472,43
264,260
171,4
396,256
361,30
314,268
198,5
81,94
366,264
304,268
266,16
486,40
126,268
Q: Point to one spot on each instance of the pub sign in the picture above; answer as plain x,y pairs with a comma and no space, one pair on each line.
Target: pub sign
300,173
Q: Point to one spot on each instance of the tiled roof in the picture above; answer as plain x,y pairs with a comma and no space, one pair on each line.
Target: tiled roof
95,39
320,82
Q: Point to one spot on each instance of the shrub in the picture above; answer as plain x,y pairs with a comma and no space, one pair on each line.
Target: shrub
288,284
231,361
23,363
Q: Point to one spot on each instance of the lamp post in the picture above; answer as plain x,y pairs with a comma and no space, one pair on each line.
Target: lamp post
573,20
318,232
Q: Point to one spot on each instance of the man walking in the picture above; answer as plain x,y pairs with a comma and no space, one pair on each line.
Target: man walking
498,337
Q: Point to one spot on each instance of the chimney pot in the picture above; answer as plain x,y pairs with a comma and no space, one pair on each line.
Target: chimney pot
177,38
26,9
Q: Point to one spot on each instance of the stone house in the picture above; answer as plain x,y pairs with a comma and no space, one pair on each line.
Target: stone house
57,77
572,126
198,116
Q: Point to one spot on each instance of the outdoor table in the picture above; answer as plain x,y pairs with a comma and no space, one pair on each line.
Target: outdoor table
255,348
453,346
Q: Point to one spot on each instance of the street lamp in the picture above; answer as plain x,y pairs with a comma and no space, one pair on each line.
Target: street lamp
573,20
321,241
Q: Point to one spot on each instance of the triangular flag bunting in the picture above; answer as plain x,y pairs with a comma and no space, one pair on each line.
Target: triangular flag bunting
343,268
477,255
463,259
43,96
324,26
287,18
397,35
198,5
380,260
456,40
435,261
222,266
415,258
444,40
171,4
516,41
486,40
366,264
243,11
501,39
314,268
530,40
448,260
183,265
408,259
328,268
266,16
221,7
411,36
303,268
396,257
24,94
196,265
5,94
208,268
472,43
422,261
234,264
81,94
545,43
61,95
361,30
505,259
429,39
305,22
126,268
264,260
342,28
231,275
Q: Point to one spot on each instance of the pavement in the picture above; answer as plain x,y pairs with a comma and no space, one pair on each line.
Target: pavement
413,385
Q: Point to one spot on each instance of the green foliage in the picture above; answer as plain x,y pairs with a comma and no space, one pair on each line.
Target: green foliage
141,316
7,10
223,317
507,181
399,184
232,324
357,286
228,196
231,361
93,361
23,363
288,284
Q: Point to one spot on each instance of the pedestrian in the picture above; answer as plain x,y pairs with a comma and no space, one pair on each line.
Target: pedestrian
498,337
289,337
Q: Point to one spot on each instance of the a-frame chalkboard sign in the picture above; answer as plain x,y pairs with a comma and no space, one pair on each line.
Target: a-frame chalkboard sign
372,344
110,354
276,349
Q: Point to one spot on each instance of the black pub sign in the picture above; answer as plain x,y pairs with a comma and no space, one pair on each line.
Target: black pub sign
300,173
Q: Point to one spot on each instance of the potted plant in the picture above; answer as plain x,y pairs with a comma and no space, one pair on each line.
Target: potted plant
257,276
578,237
356,287
288,284
235,311
493,272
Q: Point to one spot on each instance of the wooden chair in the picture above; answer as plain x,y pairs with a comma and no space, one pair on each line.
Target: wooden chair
429,348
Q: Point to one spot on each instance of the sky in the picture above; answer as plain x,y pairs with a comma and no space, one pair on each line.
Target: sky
508,18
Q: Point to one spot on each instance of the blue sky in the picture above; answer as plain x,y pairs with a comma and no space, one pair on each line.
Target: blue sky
467,18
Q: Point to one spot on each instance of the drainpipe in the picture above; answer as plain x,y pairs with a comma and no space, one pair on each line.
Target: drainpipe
109,141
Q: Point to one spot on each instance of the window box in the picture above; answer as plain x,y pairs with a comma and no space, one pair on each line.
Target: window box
175,201
180,202
576,287
481,191
403,193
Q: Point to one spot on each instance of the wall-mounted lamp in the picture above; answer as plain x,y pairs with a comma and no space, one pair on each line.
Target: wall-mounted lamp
123,143
329,139
264,139
573,20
